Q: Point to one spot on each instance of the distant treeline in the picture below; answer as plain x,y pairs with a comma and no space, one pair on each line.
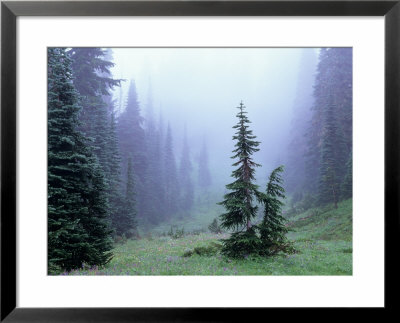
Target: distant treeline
106,172
319,163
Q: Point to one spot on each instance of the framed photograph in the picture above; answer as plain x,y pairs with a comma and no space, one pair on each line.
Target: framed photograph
170,160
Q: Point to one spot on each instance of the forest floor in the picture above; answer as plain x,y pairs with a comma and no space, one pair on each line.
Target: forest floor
322,238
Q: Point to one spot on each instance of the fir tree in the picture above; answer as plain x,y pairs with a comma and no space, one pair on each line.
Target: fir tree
94,82
185,170
132,142
333,85
272,228
170,177
332,161
240,202
77,206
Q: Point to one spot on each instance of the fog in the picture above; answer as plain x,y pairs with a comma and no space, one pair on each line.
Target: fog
200,88
141,178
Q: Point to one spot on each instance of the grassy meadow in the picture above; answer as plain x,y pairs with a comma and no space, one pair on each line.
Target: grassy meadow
322,238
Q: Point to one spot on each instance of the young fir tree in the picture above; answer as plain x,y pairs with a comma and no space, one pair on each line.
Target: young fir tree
272,228
77,227
170,177
187,191
240,202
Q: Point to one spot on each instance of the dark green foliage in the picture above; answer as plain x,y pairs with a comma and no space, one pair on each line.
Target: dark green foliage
209,250
242,244
77,206
269,237
272,228
214,227
185,170
90,69
239,203
94,82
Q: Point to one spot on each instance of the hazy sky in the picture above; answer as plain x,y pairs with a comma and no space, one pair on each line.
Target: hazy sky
201,87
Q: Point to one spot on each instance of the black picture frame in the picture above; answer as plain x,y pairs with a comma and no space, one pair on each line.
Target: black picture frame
10,10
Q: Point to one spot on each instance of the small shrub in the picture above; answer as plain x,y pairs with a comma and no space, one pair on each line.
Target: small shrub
271,250
179,233
188,253
210,250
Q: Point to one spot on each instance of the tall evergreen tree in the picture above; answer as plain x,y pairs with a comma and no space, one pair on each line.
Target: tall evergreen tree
185,169
332,157
132,142
240,202
170,177
77,228
333,85
94,82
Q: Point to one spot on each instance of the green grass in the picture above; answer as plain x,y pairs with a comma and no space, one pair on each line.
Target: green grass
323,238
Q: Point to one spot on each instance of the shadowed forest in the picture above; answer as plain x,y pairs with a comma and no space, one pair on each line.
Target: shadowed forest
199,161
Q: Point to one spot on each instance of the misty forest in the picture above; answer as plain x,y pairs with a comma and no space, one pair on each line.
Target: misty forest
199,161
